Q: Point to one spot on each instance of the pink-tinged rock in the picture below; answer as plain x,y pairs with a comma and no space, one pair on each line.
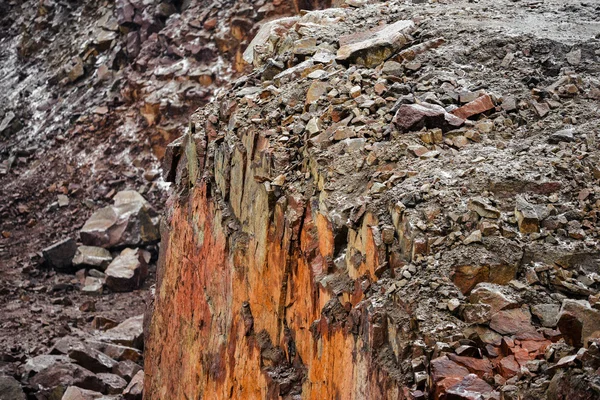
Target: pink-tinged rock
481,104
416,116
509,367
508,322
470,388
482,367
443,367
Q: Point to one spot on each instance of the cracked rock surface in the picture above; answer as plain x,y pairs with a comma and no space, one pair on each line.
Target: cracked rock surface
400,201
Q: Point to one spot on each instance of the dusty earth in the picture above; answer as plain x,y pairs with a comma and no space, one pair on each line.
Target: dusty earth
91,93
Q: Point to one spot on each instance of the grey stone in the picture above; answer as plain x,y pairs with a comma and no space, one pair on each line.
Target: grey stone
127,272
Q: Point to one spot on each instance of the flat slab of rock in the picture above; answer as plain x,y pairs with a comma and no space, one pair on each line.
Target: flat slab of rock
60,255
127,272
130,221
372,48
92,257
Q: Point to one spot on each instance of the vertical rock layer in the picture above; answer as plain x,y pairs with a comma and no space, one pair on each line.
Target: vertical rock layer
345,222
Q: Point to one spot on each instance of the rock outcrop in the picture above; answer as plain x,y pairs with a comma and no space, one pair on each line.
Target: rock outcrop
366,216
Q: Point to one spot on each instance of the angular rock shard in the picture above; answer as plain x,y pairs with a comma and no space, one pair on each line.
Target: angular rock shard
127,271
130,221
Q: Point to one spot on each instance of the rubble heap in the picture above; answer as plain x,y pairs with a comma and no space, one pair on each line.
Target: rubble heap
399,201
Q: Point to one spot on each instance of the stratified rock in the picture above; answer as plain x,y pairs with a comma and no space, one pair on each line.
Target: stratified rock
92,285
93,257
547,313
416,116
127,271
488,293
135,388
115,351
10,389
130,221
483,207
60,255
372,48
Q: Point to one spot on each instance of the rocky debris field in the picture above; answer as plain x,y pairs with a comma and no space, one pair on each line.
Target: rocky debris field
90,94
403,201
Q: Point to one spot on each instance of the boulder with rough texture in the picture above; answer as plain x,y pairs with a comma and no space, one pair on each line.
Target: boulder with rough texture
130,221
127,271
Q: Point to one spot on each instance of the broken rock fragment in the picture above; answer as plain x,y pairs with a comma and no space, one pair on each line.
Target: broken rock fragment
60,255
130,221
579,322
92,257
527,216
479,105
134,390
127,272
372,48
411,117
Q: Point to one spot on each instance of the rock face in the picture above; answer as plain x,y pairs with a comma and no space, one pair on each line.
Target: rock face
351,220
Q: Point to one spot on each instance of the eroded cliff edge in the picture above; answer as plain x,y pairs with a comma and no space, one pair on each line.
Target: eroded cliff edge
408,213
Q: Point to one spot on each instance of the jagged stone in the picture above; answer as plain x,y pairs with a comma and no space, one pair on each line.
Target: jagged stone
579,322
134,390
128,333
372,48
60,255
130,221
90,256
127,271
